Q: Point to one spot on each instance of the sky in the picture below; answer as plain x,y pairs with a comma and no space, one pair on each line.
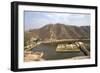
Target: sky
34,20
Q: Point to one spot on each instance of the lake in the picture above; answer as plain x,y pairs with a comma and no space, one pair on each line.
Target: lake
51,54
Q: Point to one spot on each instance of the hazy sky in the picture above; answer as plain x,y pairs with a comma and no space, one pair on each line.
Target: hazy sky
38,19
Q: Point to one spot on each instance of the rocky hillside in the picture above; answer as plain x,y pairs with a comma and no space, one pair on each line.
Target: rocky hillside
59,31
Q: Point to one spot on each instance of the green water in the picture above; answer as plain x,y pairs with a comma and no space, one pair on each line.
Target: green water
51,54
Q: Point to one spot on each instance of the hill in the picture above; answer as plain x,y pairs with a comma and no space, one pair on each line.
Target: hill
59,31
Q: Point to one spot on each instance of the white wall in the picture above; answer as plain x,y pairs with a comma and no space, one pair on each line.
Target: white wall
5,35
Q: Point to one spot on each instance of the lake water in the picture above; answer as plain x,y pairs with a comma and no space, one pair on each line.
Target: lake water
51,54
